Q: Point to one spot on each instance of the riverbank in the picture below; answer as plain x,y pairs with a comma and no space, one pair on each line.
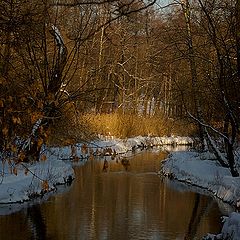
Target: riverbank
24,182
28,182
201,169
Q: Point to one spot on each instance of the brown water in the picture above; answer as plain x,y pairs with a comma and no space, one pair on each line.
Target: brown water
118,203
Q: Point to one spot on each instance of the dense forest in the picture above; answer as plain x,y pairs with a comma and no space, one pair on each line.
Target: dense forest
72,68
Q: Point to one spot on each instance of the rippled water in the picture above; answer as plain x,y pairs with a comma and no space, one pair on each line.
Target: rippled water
122,202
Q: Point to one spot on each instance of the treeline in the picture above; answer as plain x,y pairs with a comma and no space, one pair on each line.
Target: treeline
60,60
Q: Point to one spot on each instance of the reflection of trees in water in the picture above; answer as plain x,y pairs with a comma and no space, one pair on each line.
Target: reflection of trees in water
36,222
199,210
125,162
105,166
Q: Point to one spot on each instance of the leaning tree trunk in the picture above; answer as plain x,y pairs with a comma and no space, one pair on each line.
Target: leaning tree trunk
32,146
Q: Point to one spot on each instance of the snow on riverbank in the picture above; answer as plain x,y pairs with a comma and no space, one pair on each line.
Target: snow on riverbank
203,171
230,230
23,182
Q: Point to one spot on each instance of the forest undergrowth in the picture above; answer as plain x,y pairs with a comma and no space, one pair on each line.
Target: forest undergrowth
89,126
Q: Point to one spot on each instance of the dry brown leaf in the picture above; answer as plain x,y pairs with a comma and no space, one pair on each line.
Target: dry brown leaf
15,171
84,148
21,156
45,185
19,121
5,131
90,151
43,158
26,171
73,150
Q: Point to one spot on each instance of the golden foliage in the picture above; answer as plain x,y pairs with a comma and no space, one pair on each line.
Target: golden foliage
45,185
130,125
16,120
43,158
21,156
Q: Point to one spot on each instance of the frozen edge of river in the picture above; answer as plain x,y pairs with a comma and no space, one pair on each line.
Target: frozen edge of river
199,169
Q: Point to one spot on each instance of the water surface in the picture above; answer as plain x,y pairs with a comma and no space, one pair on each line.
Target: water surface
127,201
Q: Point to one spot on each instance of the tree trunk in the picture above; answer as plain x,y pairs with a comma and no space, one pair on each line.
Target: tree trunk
238,36
229,144
193,67
32,146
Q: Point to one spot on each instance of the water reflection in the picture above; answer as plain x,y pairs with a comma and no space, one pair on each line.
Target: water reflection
118,204
36,222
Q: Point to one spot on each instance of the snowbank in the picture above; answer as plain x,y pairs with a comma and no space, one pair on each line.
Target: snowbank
22,182
230,230
203,171
121,145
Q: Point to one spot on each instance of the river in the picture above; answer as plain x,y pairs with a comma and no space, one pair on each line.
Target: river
122,201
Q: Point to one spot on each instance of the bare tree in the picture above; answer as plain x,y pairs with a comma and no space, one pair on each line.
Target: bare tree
41,50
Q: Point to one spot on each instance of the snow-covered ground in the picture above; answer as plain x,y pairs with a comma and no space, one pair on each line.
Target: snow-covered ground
22,182
201,169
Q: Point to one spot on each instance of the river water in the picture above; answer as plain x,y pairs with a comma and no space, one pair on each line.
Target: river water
122,201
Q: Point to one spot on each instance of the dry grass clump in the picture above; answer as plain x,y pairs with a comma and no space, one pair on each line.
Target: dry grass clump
130,125
74,127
